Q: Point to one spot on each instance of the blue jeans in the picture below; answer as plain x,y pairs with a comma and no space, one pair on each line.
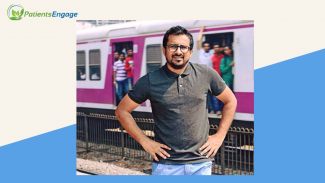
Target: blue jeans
210,101
217,104
231,86
130,83
214,103
121,88
203,168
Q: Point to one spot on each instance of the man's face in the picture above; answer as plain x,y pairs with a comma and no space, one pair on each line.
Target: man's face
177,59
206,47
130,53
116,55
121,57
216,49
227,51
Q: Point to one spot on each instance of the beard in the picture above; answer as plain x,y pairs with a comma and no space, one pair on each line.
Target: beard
177,64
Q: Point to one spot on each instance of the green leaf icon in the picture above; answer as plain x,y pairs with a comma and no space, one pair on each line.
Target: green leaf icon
13,13
21,12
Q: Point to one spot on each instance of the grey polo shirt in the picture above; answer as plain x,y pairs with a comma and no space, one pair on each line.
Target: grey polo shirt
179,108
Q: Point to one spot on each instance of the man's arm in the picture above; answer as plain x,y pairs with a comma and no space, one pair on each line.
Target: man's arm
127,66
114,78
123,113
215,141
200,38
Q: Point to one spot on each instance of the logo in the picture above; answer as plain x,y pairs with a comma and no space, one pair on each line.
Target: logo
15,12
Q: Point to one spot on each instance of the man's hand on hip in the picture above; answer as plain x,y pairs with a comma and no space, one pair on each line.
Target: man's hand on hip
154,148
212,145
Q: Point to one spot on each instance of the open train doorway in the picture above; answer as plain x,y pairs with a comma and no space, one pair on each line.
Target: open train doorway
121,89
225,65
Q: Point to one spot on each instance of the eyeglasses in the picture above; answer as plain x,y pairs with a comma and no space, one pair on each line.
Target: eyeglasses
174,47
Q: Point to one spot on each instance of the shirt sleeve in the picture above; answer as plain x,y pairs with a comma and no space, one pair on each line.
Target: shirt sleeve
140,92
115,66
216,83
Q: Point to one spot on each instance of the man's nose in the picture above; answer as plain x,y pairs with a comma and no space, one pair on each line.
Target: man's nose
178,50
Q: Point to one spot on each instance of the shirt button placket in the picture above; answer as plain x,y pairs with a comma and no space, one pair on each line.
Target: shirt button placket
181,87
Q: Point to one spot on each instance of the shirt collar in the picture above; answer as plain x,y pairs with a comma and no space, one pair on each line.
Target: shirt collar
172,74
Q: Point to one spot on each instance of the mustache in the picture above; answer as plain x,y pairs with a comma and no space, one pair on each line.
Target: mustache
178,56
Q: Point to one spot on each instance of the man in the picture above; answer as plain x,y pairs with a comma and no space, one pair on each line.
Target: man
226,66
119,75
205,58
96,75
116,56
205,54
177,92
216,59
129,68
81,76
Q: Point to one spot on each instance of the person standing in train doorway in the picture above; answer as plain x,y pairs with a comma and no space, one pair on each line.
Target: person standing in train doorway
116,56
205,54
216,59
226,65
120,80
177,92
129,68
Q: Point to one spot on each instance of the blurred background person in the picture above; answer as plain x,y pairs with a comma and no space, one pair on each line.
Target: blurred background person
216,60
129,68
205,54
81,75
226,66
116,56
96,75
120,80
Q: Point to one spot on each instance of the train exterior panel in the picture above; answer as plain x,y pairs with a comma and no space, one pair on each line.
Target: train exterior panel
146,36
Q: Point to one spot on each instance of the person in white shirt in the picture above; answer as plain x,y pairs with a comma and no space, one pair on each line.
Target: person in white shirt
95,76
205,55
120,79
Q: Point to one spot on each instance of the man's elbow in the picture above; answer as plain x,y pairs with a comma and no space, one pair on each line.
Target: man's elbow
118,112
234,102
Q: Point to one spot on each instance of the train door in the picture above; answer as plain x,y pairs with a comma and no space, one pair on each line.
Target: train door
220,39
121,47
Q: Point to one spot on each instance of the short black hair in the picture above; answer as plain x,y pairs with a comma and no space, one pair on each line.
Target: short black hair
178,30
216,43
228,45
205,42
122,53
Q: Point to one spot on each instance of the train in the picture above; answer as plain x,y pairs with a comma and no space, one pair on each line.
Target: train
95,54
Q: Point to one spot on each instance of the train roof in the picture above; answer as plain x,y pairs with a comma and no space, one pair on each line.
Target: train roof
147,27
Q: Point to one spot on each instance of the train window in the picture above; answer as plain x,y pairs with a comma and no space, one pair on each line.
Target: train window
154,57
81,65
94,64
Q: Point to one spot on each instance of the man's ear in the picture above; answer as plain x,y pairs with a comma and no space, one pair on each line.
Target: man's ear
191,52
163,50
